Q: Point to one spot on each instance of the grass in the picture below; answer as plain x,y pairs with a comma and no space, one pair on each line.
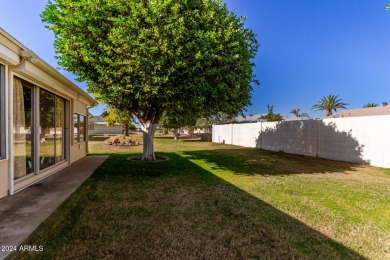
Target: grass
216,201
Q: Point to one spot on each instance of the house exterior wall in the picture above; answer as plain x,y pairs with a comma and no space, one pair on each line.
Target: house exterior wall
80,108
364,140
4,178
33,70
78,150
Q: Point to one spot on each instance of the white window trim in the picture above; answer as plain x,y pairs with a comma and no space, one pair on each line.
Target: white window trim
3,111
11,137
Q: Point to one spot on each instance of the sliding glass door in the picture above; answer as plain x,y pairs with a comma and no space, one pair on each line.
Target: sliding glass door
43,133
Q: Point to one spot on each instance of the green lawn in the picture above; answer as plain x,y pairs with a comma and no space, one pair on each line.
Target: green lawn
214,201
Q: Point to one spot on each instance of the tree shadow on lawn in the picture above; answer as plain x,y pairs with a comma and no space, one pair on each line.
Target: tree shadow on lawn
253,161
173,210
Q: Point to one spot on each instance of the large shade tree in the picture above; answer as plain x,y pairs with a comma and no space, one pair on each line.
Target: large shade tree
330,103
209,121
148,56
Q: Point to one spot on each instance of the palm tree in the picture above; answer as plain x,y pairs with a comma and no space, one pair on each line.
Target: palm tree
296,112
371,105
271,116
329,103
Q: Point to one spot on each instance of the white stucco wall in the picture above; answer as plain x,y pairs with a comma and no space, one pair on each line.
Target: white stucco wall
222,134
354,139
249,139
297,137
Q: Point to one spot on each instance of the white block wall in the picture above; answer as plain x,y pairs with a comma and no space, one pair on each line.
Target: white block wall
249,139
223,134
354,139
297,137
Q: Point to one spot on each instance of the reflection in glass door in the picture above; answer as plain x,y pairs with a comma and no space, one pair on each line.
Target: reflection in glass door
52,121
46,129
60,129
22,128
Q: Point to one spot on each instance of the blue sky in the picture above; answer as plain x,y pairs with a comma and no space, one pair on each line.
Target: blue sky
309,49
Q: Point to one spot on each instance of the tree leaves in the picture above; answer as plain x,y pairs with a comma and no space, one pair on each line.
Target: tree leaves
149,56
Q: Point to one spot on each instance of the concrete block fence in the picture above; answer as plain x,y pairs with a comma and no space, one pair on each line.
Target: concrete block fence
364,140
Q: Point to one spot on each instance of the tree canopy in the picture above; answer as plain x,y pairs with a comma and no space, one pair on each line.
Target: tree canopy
208,122
150,56
176,120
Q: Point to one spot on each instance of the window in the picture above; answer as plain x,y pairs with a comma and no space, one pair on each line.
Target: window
79,131
82,128
76,138
2,111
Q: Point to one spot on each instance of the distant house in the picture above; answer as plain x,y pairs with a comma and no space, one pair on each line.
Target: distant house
201,130
97,125
249,119
369,111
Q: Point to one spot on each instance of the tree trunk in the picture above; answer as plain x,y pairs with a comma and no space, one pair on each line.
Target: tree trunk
126,129
148,134
176,134
328,112
42,134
